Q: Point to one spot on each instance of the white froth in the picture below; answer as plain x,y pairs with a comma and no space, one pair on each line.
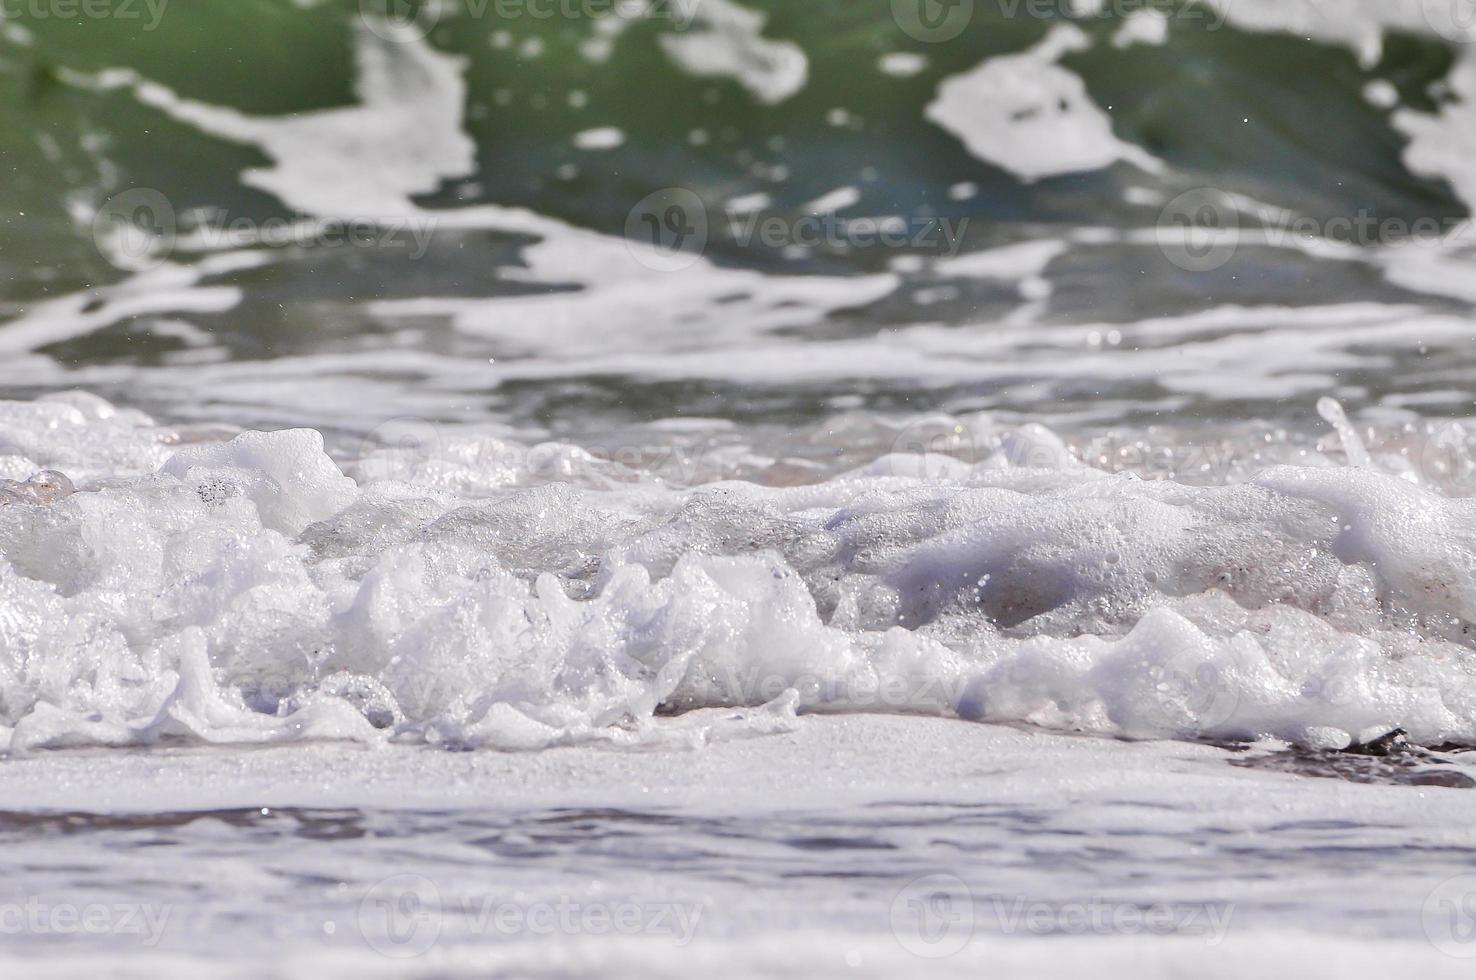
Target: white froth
1030,116
1381,93
408,119
248,590
1444,144
1360,24
1142,27
836,200
729,44
599,138
902,64
748,203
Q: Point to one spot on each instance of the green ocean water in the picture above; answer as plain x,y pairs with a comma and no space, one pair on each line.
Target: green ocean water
1278,118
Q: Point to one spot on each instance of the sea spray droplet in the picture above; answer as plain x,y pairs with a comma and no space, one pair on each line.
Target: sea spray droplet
1333,413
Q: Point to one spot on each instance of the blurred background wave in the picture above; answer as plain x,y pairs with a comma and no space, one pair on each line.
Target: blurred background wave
575,214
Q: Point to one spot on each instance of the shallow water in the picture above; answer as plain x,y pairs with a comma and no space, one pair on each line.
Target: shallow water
866,844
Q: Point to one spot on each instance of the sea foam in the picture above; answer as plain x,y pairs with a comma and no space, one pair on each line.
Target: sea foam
157,583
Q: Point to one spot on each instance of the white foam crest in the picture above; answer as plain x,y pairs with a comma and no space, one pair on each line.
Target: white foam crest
730,44
249,591
1360,24
170,288
410,121
1028,115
